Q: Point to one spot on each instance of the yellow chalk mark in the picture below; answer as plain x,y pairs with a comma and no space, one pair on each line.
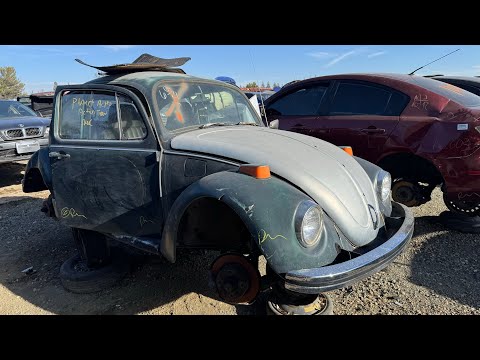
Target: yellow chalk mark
70,212
143,221
266,236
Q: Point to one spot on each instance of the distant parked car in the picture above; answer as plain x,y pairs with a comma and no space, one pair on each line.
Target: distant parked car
424,132
22,132
41,103
468,83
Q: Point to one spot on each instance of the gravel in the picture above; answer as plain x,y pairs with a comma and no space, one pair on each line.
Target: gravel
439,273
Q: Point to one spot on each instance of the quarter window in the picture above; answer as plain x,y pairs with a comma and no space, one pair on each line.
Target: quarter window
95,115
305,101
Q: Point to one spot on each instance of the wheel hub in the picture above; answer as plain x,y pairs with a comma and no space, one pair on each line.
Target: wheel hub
310,305
236,279
408,193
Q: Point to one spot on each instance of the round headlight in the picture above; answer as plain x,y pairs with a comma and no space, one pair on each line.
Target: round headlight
384,185
47,131
308,223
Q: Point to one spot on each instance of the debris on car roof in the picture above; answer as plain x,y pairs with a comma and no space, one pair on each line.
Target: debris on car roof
144,62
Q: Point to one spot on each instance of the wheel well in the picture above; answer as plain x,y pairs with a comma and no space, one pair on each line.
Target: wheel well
33,181
209,223
411,166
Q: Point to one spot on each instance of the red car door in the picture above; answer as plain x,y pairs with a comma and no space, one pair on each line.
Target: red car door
361,115
298,109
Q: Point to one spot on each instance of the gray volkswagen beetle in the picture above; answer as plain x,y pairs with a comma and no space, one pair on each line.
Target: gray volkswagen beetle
156,159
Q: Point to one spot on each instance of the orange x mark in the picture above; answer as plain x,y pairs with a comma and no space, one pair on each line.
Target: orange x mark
175,106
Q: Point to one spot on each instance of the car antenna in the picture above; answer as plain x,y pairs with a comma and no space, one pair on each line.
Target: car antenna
421,67
258,88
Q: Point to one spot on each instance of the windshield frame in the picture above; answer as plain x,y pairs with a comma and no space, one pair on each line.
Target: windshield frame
29,110
172,133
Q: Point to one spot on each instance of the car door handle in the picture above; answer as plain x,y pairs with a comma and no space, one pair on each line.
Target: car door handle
373,131
58,155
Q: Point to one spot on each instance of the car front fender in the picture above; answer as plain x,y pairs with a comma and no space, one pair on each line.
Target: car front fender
267,207
38,176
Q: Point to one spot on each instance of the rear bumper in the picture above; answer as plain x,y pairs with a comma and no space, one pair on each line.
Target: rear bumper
9,154
331,277
462,176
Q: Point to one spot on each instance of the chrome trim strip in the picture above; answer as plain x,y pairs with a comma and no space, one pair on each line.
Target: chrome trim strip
182,153
331,277
102,148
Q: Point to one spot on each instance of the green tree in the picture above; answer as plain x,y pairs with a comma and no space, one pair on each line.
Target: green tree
10,85
263,84
268,84
251,85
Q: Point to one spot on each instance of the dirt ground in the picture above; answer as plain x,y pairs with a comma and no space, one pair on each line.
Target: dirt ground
439,273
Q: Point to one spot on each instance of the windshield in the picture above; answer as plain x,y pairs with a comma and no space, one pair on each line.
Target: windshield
9,109
188,104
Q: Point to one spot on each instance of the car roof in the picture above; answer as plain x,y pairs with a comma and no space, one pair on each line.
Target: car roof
146,78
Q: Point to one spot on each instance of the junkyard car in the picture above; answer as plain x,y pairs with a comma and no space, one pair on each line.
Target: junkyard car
22,132
424,132
160,160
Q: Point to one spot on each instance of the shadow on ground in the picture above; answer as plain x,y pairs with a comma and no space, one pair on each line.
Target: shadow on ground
11,173
448,262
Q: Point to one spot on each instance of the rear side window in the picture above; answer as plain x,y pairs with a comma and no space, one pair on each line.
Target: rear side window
470,88
461,96
360,99
305,101
96,115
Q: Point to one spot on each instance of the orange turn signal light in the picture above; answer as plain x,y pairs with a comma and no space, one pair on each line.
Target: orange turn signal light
347,149
257,171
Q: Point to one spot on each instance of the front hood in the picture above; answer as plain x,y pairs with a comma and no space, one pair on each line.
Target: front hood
26,121
326,173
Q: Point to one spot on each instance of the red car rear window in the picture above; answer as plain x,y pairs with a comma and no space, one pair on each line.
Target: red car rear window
449,91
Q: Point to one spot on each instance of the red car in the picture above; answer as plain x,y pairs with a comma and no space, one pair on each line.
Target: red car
423,131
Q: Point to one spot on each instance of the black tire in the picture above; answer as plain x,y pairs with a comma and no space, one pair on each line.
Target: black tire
468,208
91,280
327,310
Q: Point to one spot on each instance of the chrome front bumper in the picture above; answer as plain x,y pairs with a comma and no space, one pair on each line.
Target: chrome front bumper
331,277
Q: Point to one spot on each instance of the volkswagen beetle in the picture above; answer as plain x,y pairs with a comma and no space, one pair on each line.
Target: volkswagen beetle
159,160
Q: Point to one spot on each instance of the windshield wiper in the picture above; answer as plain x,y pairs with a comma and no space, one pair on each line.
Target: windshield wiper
213,124
247,123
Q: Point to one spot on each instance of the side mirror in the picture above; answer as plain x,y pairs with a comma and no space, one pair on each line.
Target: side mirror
274,124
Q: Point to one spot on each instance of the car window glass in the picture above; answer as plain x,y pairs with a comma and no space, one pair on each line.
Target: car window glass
93,115
133,127
397,104
470,88
10,109
359,99
305,101
461,96
194,104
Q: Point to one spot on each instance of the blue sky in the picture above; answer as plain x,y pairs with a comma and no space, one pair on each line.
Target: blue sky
38,66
